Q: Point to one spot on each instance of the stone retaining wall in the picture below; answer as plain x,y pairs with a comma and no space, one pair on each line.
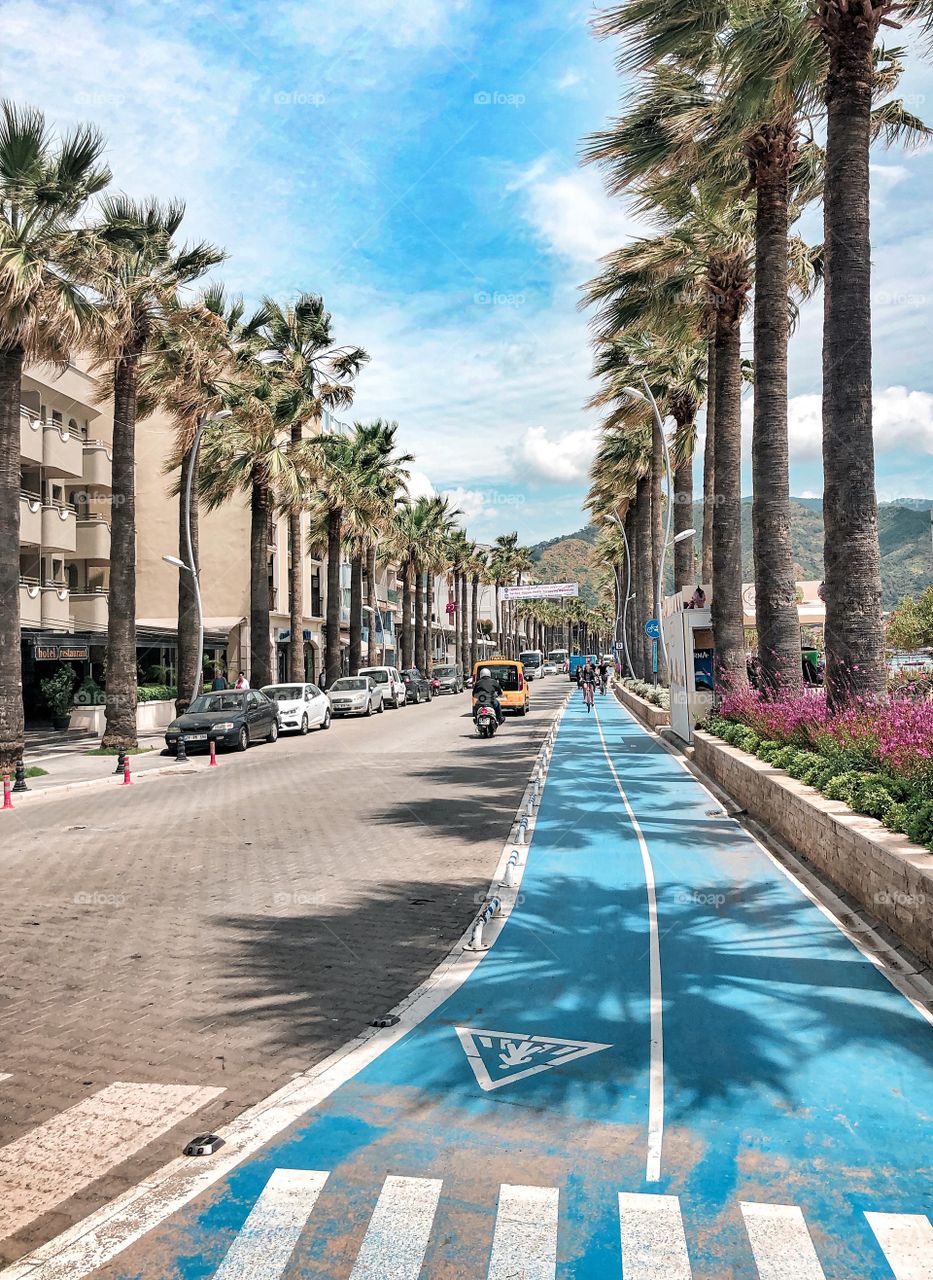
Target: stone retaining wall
891,877
654,717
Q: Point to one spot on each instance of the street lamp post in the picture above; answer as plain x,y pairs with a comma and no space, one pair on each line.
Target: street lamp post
368,608
191,567
629,595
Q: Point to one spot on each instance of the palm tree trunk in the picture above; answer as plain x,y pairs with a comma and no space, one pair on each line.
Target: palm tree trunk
189,661
428,624
356,613
120,712
332,662
854,627
419,622
463,621
684,556
296,619
474,614
657,537
260,642
709,468
727,606
500,610
644,591
372,657
11,665
407,656
630,585
775,584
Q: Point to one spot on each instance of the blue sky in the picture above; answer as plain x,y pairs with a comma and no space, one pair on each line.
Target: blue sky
416,162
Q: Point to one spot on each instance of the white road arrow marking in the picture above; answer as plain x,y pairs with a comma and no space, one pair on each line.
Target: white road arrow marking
502,1057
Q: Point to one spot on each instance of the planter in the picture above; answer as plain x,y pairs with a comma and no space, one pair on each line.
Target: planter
61,722
886,873
650,715
150,717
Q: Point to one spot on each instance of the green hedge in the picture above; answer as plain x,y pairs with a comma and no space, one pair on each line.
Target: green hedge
891,800
156,693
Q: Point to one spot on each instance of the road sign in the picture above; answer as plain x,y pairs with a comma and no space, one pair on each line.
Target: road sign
541,591
500,1057
653,629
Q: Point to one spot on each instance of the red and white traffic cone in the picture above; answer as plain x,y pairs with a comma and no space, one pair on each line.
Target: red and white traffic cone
213,752
127,780
7,793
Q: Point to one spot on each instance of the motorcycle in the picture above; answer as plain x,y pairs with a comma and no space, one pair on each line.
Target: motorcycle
485,719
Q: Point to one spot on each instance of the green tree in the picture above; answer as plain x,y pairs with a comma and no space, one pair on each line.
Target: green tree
46,183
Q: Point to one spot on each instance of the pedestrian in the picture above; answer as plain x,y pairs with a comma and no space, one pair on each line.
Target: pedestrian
322,683
698,599
218,681
242,682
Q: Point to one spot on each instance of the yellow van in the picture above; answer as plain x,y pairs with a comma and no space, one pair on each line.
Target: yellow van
511,676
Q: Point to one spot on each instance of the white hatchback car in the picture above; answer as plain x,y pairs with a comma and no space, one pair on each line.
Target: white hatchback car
301,706
391,685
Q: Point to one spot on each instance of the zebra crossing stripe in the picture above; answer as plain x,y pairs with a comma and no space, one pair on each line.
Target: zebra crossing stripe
781,1242
906,1241
525,1240
268,1237
654,1246
5,1075
75,1148
397,1238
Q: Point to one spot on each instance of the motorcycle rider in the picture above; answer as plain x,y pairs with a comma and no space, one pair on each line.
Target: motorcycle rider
487,685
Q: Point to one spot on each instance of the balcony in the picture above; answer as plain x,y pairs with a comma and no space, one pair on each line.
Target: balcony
30,519
56,612
30,603
59,527
30,436
93,540
89,610
62,451
98,465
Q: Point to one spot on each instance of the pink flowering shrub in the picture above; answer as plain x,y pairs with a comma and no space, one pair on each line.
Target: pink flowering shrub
890,734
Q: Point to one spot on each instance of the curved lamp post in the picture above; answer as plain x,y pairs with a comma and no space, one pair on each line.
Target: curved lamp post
629,594
190,567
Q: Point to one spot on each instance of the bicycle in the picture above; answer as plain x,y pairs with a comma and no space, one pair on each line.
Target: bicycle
588,696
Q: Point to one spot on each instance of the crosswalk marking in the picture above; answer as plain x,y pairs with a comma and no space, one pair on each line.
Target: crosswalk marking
397,1238
525,1240
75,1148
268,1237
5,1075
654,1246
781,1242
906,1241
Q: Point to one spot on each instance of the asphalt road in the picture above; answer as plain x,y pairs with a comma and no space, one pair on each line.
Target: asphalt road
672,1065
171,953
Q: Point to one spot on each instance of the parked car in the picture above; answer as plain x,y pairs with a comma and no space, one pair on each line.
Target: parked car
301,706
449,679
233,718
417,688
391,685
355,696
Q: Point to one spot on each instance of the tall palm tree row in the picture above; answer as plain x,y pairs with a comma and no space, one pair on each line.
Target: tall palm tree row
715,144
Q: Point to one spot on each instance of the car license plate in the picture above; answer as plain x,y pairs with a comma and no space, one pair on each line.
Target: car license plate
195,737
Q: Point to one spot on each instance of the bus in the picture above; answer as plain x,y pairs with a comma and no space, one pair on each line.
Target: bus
532,660
559,657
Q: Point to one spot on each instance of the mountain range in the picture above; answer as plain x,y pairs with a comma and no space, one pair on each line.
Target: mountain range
904,534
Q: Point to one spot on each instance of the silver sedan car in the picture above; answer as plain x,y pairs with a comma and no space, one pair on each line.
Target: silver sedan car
355,696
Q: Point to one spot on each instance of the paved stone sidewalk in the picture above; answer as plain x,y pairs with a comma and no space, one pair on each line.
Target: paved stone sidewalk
232,926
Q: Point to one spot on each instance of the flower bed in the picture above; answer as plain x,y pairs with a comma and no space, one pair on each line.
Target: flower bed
657,695
876,757
652,713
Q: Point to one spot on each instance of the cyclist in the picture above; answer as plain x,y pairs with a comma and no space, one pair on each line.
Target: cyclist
603,676
588,683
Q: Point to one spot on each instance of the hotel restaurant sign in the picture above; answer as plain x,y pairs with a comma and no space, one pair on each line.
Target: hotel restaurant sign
61,652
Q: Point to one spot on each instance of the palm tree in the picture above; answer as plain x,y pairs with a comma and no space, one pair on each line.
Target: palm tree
246,454
413,527
190,375
478,569
45,184
320,377
501,560
522,563
388,477
136,274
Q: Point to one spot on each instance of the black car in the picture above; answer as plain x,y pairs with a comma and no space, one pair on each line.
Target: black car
233,718
417,688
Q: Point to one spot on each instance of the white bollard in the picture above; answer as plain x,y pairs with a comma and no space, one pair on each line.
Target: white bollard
510,870
476,937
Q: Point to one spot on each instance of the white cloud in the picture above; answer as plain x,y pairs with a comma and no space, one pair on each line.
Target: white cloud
354,30
568,80
884,178
572,216
564,459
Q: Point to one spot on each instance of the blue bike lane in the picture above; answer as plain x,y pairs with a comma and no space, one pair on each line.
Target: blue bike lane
671,1064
